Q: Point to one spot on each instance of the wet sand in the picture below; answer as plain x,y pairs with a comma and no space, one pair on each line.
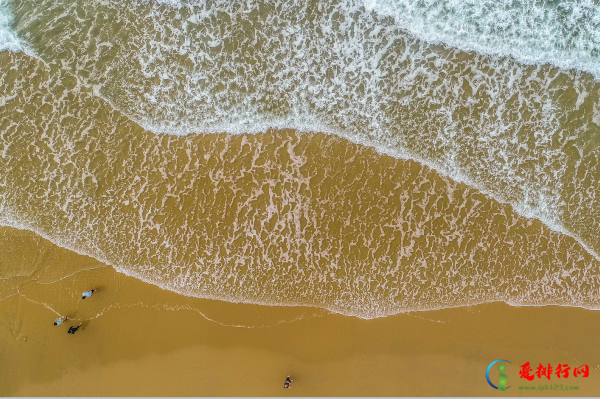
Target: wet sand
138,339
488,160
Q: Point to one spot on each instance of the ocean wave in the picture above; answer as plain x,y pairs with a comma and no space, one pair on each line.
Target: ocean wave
565,34
562,33
282,218
526,135
8,39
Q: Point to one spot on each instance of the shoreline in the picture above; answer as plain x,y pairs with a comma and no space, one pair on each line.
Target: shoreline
120,270
138,339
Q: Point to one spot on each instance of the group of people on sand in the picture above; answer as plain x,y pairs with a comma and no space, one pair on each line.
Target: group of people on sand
73,330
62,319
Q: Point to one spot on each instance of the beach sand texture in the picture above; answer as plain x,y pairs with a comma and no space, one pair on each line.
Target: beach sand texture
140,340
377,197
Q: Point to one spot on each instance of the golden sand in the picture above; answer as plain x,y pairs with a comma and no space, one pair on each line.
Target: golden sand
284,217
138,339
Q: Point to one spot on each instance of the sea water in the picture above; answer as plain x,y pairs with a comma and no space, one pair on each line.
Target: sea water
182,143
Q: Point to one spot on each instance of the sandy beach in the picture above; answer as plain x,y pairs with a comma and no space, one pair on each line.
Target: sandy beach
138,339
378,198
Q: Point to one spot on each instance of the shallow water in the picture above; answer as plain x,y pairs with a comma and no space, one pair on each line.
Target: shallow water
125,137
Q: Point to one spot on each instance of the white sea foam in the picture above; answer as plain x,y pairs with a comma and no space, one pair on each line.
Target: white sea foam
341,70
562,33
480,120
8,39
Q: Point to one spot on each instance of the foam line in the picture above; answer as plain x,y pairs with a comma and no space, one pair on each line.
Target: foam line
561,33
8,39
332,309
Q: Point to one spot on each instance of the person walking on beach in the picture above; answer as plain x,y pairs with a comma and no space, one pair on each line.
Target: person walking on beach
87,294
73,329
287,383
61,320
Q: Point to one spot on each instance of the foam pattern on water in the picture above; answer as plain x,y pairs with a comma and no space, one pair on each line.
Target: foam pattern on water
282,218
562,33
8,39
527,135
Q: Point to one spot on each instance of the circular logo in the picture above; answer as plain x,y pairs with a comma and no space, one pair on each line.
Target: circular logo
501,368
